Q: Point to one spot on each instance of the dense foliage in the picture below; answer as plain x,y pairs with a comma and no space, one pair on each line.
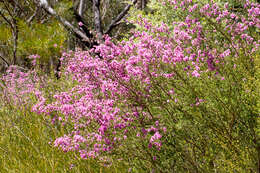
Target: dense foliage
179,96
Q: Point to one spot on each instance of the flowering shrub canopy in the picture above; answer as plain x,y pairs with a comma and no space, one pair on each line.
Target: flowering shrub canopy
145,93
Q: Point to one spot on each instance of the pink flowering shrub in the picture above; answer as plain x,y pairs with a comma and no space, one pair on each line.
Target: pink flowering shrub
20,87
172,97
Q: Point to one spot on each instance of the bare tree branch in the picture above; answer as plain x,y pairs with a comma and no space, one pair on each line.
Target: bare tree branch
29,5
44,18
8,21
16,4
143,4
15,38
29,20
14,27
7,8
1,56
83,32
119,17
97,19
81,7
44,4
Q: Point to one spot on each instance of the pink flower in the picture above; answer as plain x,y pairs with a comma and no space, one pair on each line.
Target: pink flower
80,24
156,136
195,73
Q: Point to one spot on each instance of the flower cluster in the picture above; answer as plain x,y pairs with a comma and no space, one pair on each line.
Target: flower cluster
20,85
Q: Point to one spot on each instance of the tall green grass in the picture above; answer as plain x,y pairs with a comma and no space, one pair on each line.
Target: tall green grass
25,147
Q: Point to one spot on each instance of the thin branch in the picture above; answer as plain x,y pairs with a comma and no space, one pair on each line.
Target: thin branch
8,21
44,18
1,56
84,26
29,20
44,4
143,4
14,27
29,5
81,7
97,19
119,17
15,38
7,9
16,4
